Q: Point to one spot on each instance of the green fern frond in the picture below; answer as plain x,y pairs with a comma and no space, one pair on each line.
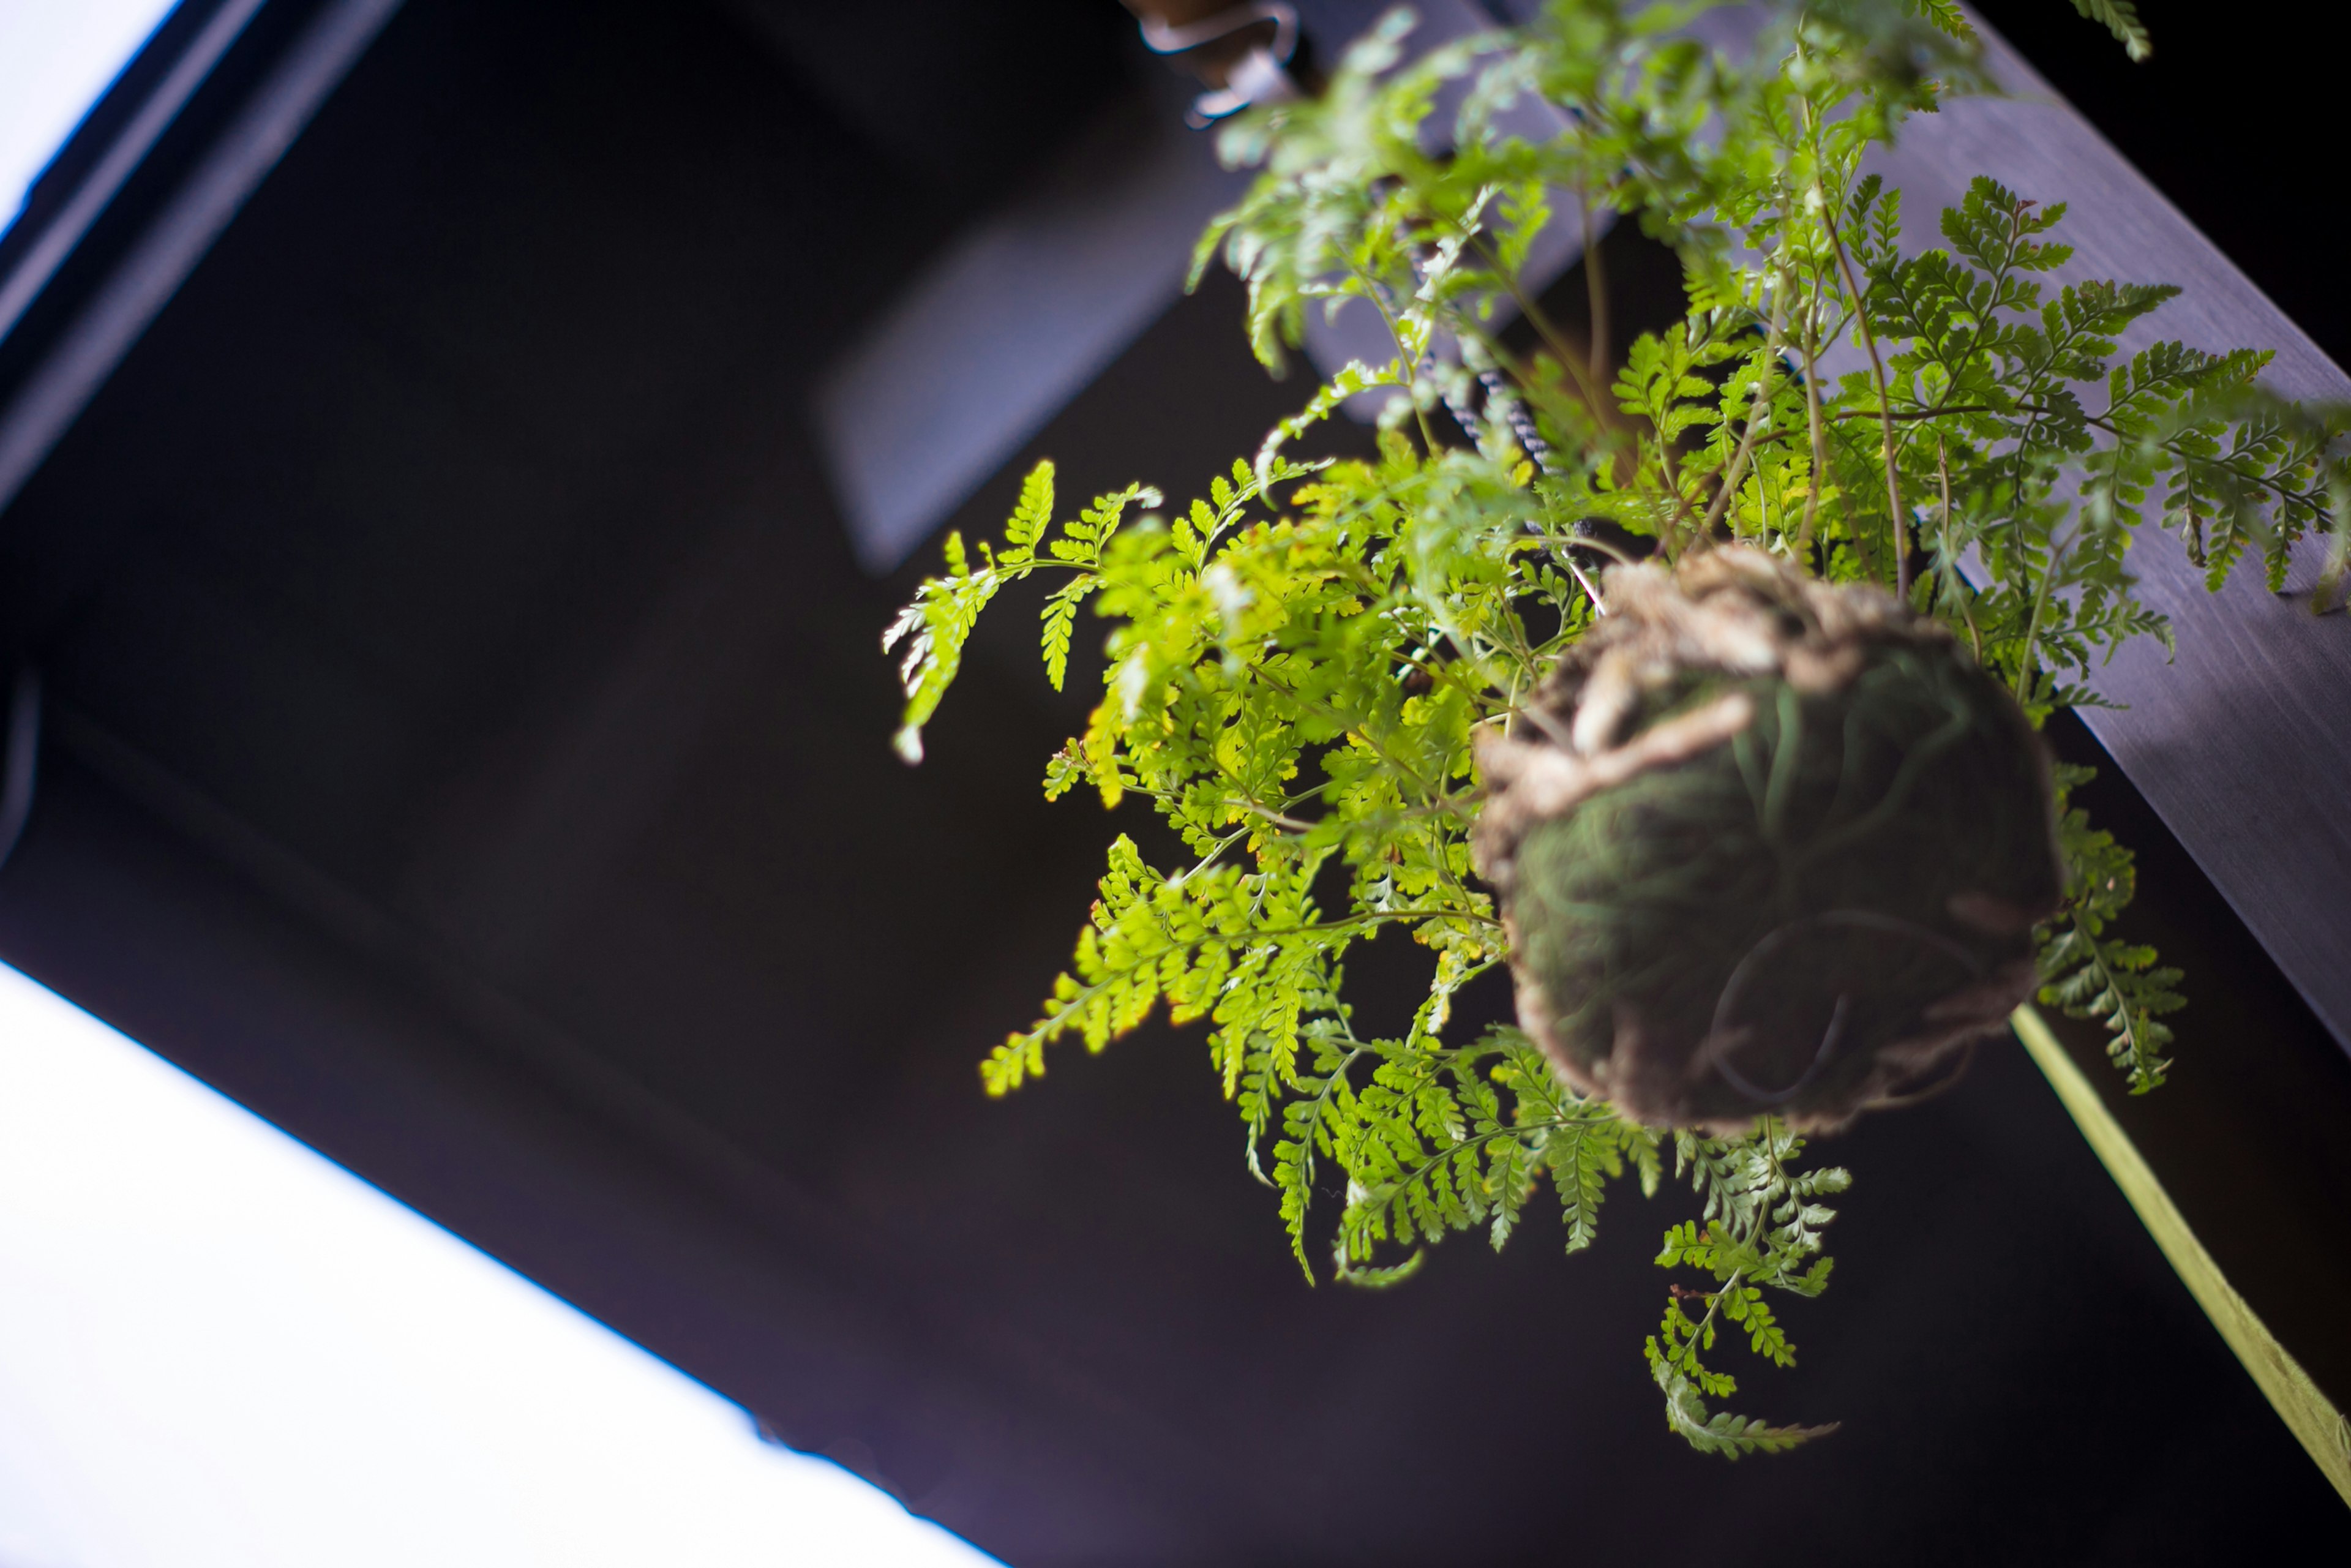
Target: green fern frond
1298,658
1720,1432
2089,975
2120,18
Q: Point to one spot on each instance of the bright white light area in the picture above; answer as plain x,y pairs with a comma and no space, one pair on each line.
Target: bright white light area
56,57
219,1348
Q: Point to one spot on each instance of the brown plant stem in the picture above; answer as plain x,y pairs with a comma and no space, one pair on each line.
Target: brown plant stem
1884,407
1595,283
1734,471
1812,347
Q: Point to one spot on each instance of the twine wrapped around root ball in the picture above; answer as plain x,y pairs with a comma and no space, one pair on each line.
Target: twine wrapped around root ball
1764,844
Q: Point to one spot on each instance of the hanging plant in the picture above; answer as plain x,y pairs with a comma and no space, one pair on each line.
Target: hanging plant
1762,843
1760,823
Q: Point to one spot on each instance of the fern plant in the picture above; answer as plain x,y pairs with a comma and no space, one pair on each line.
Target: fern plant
1299,660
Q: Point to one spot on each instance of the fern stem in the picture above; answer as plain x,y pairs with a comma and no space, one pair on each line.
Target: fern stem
1957,586
1884,406
1384,302
1815,427
1734,471
1577,365
2025,655
2146,1072
1595,279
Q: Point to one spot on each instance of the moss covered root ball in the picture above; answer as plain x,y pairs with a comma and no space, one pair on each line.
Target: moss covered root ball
1764,844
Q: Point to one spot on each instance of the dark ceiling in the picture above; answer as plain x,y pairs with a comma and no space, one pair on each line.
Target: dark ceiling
467,746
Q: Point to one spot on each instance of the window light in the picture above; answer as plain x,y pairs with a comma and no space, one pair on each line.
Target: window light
219,1348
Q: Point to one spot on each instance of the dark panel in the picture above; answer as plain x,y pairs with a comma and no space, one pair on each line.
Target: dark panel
2237,117
1079,1351
473,755
2247,1137
2237,740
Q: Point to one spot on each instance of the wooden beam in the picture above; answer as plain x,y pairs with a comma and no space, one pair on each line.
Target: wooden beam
2242,742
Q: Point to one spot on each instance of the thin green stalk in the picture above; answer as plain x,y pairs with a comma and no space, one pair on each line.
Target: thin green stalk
1734,471
1595,281
1817,428
2321,1429
1885,412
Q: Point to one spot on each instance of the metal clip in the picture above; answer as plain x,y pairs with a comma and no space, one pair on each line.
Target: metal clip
1259,76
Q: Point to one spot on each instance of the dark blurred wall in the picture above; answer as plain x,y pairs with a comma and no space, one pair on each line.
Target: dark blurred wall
469,748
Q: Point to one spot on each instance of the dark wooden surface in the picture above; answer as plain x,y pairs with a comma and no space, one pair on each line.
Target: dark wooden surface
474,758
2242,742
299,75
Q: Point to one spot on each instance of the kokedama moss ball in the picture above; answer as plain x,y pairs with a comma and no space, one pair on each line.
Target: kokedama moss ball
1764,844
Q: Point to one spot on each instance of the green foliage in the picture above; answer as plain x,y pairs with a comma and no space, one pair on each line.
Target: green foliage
1298,661
2120,18
1759,1228
2090,974
935,626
